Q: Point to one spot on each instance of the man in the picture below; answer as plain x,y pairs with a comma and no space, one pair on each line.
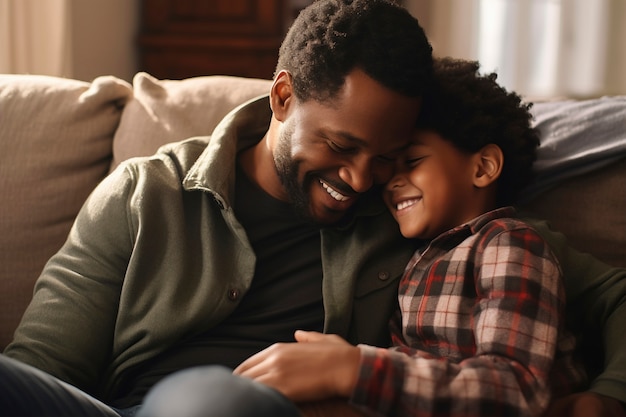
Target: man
196,255
479,329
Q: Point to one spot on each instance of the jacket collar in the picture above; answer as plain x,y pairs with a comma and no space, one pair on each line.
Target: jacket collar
214,171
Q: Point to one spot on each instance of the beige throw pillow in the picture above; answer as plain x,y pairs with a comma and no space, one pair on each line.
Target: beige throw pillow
55,145
165,111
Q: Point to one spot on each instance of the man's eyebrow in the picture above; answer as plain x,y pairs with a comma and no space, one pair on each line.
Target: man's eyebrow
350,137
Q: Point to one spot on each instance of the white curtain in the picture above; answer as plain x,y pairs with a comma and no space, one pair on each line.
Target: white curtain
540,48
34,37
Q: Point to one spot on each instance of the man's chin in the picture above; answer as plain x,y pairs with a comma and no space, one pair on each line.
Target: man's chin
325,216
320,208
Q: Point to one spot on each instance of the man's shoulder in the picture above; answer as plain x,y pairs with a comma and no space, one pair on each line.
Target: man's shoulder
187,151
172,158
154,176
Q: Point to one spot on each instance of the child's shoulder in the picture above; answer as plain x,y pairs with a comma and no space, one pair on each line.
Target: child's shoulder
504,221
504,218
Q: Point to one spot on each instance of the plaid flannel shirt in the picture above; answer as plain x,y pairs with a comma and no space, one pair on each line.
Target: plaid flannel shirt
480,330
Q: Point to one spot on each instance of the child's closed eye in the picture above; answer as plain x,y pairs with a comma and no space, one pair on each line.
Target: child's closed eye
414,161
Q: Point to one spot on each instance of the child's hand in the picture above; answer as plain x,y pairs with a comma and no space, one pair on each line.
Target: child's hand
319,366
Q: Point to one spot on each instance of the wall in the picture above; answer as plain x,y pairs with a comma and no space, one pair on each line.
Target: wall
451,26
104,38
617,47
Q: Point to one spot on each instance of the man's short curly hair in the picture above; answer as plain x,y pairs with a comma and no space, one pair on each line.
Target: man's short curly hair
330,38
472,110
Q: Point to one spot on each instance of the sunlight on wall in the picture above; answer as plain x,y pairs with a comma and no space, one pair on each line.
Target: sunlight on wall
34,37
520,41
545,46
75,39
540,48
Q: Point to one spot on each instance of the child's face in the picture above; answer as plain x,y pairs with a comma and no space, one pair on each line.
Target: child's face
432,190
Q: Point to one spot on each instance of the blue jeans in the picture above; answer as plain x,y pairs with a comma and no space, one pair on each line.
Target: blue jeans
205,391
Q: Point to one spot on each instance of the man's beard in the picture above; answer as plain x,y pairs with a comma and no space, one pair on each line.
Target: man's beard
287,170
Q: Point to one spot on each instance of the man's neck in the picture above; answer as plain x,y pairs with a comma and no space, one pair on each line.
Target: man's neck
257,162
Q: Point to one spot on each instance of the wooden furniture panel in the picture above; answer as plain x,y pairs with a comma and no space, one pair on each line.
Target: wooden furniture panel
185,38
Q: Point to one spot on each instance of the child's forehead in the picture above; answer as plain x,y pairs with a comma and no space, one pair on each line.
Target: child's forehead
423,137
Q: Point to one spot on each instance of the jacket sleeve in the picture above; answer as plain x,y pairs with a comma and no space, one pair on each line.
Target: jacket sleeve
596,299
67,330
515,322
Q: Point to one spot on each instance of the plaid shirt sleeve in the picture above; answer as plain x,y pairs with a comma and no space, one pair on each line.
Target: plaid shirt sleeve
471,350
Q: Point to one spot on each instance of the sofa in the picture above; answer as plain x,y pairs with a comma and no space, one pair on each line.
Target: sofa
59,137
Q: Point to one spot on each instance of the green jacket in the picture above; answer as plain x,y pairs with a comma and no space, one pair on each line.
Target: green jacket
156,254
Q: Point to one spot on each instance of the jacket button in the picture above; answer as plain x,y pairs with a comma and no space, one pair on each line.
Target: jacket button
383,275
233,294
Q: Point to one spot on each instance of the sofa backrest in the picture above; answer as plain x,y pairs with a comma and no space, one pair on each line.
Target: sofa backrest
165,111
59,138
580,184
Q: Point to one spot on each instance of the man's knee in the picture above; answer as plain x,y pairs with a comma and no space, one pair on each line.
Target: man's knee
214,391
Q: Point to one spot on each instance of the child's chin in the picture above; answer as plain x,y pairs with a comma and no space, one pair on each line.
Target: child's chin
410,233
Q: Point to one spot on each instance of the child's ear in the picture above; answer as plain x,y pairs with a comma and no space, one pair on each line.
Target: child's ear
489,162
281,94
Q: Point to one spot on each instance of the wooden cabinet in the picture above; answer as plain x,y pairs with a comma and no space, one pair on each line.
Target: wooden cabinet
185,38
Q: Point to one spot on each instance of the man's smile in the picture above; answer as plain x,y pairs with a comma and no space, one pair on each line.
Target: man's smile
333,193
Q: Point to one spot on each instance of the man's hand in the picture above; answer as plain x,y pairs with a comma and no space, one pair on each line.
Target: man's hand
585,404
318,367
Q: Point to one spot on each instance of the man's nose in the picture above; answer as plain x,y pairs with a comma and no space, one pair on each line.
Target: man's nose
359,174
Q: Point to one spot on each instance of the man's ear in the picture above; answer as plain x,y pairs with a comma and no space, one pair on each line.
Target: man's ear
489,162
281,95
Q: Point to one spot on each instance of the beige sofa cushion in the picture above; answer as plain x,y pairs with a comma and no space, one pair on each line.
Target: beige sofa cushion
55,146
589,210
165,111
580,184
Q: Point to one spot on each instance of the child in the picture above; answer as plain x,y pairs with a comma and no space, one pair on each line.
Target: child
480,329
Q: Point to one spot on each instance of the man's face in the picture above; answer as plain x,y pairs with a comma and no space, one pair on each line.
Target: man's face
327,154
